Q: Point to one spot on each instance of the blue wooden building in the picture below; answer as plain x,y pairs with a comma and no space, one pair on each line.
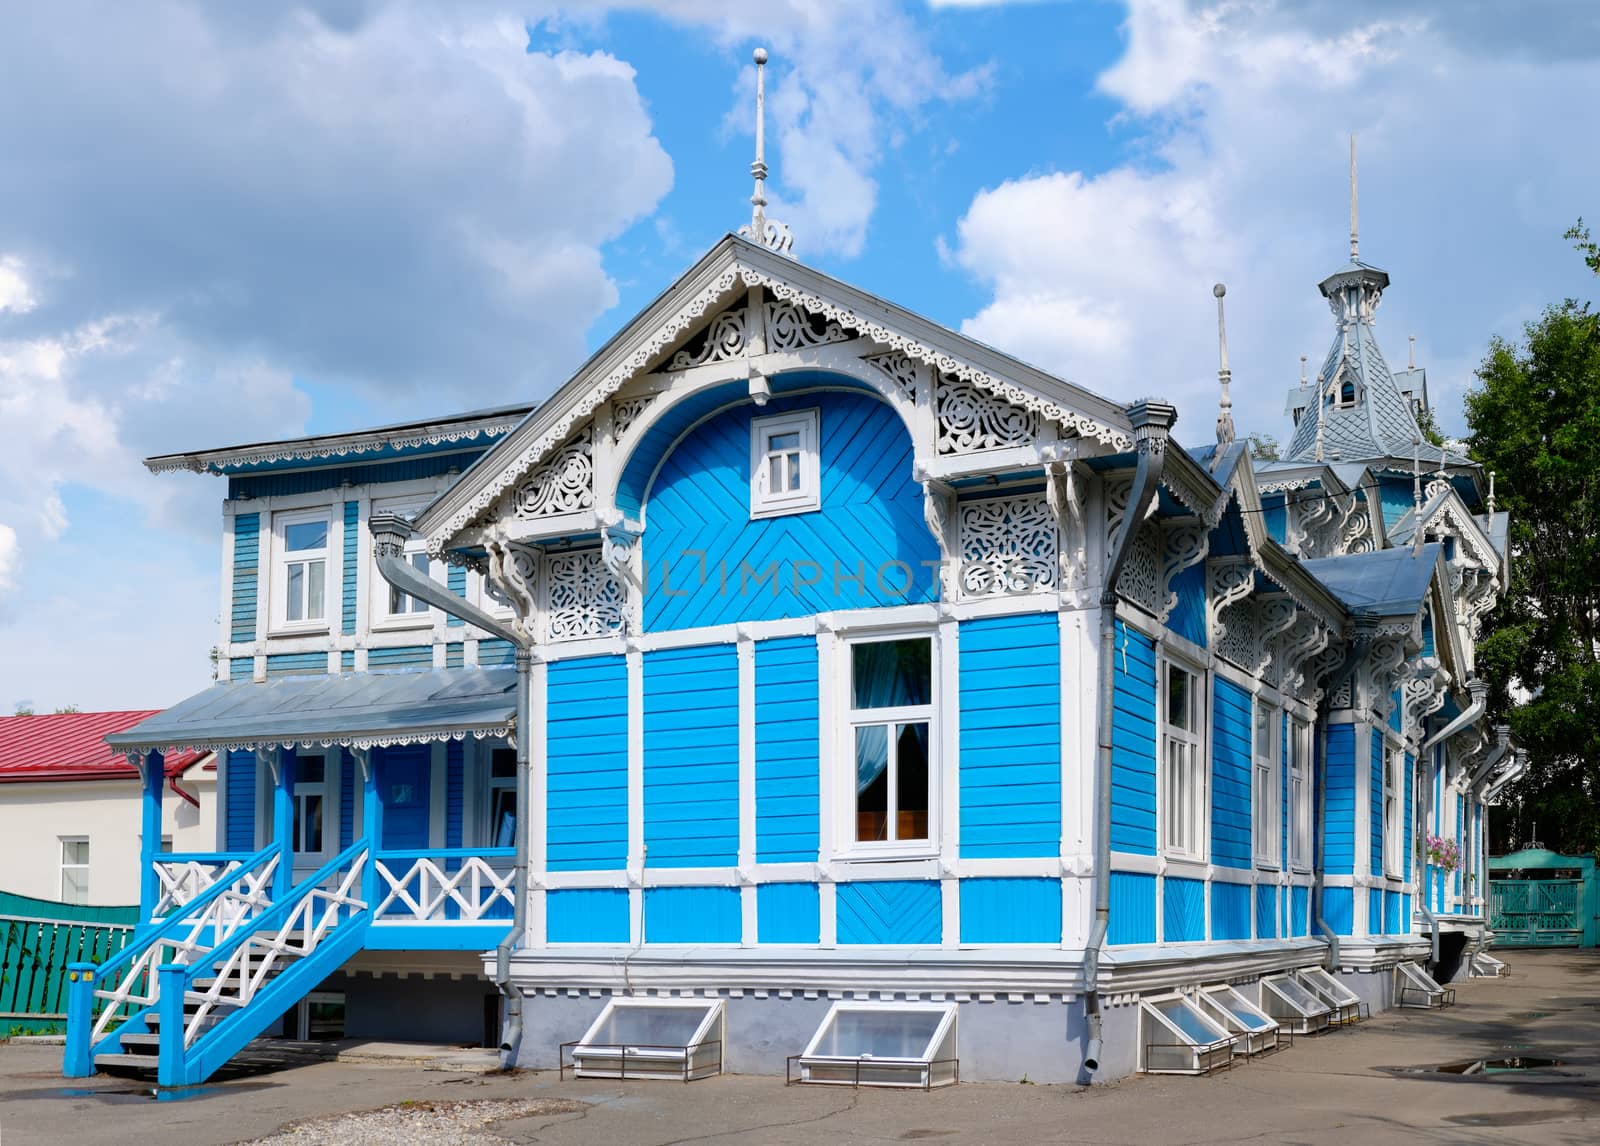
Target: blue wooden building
801,652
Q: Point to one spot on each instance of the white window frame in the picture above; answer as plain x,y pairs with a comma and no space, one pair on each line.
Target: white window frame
278,582
852,718
1393,811
1185,789
1300,824
1266,792
325,790
382,618
81,866
766,502
492,786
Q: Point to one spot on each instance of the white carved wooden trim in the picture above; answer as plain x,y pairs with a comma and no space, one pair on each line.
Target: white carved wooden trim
563,484
900,370
626,411
583,597
1184,544
1228,580
1008,545
971,420
423,891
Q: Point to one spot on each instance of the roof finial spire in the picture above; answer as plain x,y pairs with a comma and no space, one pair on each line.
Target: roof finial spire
1490,505
1355,243
1302,371
1411,352
1225,434
767,232
1416,475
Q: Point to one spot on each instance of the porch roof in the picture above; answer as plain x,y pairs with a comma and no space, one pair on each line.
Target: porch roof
353,710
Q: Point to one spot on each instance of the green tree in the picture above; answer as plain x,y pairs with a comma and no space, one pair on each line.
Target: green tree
1263,447
1535,421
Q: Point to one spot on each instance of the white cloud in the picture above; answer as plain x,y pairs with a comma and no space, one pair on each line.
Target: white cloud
1468,177
10,557
15,294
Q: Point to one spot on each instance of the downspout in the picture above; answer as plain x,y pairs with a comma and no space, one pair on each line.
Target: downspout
172,782
1152,423
1502,735
1428,918
1479,691
389,534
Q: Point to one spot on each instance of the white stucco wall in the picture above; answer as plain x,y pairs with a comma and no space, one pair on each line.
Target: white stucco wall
35,817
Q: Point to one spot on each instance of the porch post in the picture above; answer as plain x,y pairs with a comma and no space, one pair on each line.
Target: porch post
155,776
371,823
282,764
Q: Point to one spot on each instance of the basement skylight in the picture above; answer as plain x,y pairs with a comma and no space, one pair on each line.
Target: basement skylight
882,1044
1287,1000
1345,1003
1486,966
651,1038
1176,1037
1414,987
1253,1030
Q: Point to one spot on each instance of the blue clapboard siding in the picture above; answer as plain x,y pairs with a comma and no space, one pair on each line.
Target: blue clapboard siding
347,661
332,477
1188,616
1405,914
1010,910
1230,910
347,799
350,572
1285,730
1340,829
1428,649
455,783
1133,743
296,664
456,582
788,913
1396,497
496,653
889,911
246,575
871,518
1393,923
586,915
1374,912
1376,795
405,656
1011,736
1338,909
241,668
1299,911
1230,776
1274,517
1183,910
1133,908
240,801
691,915
586,749
1397,711
786,750
453,656
691,756
1266,911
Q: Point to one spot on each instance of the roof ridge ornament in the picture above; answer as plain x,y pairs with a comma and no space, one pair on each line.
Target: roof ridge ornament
768,232
1355,230
1225,431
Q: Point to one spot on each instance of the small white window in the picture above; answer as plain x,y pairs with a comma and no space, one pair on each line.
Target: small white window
1265,792
310,802
1183,759
395,609
890,721
300,570
74,869
1299,793
501,806
784,475
1394,769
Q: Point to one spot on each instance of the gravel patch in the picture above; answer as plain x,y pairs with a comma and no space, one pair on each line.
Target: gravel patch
422,1123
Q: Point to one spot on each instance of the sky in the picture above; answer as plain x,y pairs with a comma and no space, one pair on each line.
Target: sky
225,223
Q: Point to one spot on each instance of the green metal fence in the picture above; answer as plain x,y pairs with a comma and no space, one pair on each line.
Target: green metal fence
38,938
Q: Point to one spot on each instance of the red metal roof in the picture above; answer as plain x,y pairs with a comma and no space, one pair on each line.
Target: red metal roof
71,746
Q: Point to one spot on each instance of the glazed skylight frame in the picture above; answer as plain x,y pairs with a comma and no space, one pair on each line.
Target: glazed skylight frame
700,1056
1346,1004
1226,1004
1414,988
1305,1015
1165,1047
935,1065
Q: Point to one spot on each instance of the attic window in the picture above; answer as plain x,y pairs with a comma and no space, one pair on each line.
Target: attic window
1347,396
1177,1037
784,475
1414,987
678,1039
1287,1000
882,1044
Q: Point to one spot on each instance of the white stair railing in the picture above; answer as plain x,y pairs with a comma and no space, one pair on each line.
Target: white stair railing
420,890
183,878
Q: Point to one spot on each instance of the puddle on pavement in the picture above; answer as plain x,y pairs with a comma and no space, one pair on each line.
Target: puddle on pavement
1517,1064
135,1093
1509,1118
1525,1016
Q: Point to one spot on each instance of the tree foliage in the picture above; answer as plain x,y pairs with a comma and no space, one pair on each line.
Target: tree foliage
1263,447
1535,421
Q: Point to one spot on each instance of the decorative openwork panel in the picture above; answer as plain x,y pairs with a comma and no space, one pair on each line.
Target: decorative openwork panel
900,369
789,328
971,420
1140,580
724,337
564,484
626,411
1008,545
1238,642
585,600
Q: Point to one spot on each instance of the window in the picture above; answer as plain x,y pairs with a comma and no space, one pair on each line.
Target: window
1393,770
74,869
310,798
394,608
890,716
1183,760
1299,793
1267,801
300,570
783,464
502,805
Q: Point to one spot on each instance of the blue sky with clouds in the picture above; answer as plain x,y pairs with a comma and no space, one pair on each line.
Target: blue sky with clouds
229,222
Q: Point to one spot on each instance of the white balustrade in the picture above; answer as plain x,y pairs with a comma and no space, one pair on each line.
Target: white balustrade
420,890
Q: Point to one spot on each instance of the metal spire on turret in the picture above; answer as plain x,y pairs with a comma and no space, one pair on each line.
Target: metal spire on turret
760,229
1355,242
1489,505
1225,431
1416,494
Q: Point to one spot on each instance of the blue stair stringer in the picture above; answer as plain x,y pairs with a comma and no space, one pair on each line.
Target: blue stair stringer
321,923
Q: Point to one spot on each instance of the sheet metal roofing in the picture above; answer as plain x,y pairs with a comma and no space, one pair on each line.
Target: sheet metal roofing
71,746
358,709
1390,582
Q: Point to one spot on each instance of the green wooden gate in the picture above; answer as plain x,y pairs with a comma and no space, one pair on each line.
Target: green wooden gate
38,938
1538,898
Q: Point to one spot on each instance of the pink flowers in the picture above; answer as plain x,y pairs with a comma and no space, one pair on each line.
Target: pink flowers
1441,852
